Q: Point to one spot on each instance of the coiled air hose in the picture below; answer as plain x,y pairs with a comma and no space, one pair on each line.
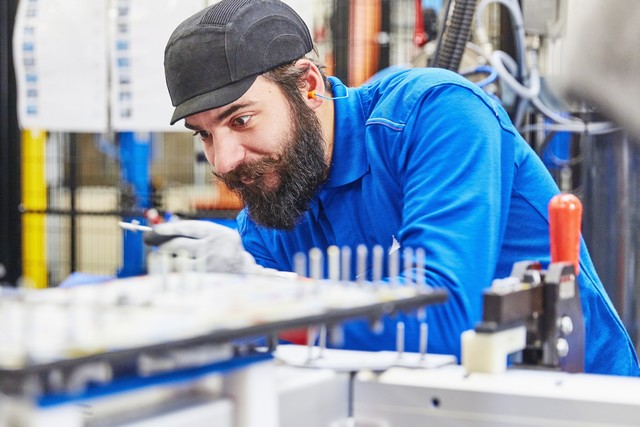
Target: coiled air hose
454,33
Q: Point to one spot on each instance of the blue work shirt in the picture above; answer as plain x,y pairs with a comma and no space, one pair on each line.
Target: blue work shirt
425,157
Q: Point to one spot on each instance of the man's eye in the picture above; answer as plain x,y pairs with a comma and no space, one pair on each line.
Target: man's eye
203,134
241,121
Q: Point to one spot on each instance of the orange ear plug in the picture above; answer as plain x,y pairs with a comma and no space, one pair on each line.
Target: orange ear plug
313,94
565,221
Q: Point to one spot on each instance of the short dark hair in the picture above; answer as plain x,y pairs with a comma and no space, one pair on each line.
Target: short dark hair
291,78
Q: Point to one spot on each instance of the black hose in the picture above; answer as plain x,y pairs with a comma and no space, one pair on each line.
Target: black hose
455,33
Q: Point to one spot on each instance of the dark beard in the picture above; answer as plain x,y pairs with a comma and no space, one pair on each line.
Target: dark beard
301,168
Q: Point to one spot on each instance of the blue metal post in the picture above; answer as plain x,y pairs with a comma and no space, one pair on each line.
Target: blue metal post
135,160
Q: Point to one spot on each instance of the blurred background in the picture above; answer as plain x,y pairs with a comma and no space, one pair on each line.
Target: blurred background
85,141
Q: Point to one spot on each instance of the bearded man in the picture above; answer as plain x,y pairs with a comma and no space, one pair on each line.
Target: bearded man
419,159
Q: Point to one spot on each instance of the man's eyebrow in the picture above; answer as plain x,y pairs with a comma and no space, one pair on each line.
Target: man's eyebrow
232,109
224,114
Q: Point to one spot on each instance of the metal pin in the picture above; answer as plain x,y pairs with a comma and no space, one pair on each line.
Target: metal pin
378,253
315,264
300,264
311,341
300,268
408,264
420,270
361,264
134,226
333,261
400,339
337,335
272,342
424,330
394,267
378,326
322,342
345,263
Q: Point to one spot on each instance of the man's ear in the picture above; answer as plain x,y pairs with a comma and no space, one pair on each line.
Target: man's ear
314,84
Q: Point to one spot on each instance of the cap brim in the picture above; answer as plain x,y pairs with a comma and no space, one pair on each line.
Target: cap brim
214,99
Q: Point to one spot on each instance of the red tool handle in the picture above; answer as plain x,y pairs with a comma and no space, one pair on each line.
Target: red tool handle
420,36
565,220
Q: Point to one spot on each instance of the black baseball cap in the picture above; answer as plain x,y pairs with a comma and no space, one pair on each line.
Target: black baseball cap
213,57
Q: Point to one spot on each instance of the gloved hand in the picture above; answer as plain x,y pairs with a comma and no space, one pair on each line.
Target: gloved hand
220,245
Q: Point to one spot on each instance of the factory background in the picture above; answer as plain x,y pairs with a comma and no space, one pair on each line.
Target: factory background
85,141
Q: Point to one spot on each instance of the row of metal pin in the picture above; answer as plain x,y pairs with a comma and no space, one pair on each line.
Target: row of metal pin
161,263
339,264
313,355
339,268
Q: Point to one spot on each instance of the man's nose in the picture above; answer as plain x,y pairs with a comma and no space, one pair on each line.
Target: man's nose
228,153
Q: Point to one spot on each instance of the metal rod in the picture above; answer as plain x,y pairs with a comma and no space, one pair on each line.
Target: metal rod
315,263
400,339
424,330
346,263
378,254
361,263
73,186
333,262
394,267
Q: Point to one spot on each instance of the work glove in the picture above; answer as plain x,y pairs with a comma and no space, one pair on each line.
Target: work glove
218,247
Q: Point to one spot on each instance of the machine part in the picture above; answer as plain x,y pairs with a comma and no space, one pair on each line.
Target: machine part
354,360
606,74
253,390
10,151
611,200
539,15
525,312
565,223
565,298
449,396
291,397
420,36
487,352
311,397
184,320
454,33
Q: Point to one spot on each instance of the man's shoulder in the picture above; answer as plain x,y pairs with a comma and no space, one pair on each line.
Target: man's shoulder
399,92
414,79
393,99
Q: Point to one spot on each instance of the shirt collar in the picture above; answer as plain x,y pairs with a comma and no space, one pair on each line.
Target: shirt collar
349,160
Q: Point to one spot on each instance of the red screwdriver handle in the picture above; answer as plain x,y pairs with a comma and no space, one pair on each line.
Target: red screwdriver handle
565,221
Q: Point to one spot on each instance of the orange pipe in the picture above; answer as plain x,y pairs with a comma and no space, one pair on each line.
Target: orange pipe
365,21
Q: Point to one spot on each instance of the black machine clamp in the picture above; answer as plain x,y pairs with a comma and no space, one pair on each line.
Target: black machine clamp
535,314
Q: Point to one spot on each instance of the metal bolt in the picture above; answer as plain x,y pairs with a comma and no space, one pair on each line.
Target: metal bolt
566,325
562,346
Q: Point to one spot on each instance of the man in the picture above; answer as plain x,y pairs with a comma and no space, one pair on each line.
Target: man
420,159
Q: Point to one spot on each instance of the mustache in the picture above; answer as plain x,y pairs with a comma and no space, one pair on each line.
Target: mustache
253,170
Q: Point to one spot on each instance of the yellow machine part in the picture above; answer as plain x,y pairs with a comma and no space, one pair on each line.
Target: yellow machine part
34,198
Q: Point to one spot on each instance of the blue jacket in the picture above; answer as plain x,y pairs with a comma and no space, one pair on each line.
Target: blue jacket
427,158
